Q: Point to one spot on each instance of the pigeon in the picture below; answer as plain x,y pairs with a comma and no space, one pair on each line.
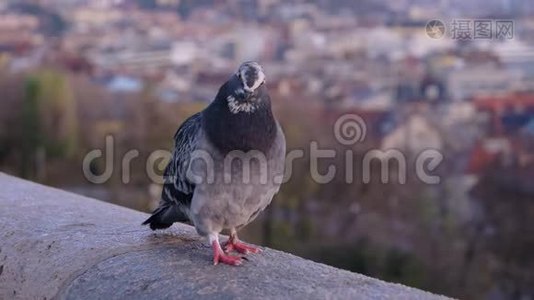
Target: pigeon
227,165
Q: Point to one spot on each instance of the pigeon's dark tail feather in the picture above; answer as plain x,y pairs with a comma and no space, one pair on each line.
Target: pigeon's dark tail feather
165,215
155,221
172,208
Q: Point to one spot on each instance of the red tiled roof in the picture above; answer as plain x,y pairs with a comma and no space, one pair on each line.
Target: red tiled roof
480,159
497,103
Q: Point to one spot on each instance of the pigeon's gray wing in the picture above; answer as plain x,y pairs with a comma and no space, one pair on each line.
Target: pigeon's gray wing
177,189
185,142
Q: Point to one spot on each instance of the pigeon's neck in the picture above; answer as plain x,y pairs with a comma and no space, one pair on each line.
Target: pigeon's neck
242,131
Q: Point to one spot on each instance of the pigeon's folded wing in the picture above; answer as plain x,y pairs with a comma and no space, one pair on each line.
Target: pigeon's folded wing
177,189
185,141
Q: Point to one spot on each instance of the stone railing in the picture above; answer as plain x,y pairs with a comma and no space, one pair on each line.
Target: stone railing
58,245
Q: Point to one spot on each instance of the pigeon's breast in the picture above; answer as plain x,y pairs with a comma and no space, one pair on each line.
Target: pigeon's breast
232,189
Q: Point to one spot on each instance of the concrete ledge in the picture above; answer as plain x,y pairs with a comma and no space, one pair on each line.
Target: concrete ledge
58,245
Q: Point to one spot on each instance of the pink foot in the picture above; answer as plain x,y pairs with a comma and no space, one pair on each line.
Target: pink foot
220,257
235,244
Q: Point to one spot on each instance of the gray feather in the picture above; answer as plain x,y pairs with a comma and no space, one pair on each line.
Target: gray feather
185,142
219,205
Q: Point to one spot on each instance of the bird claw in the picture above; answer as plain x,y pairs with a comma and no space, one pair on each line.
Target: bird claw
221,254
240,247
227,259
220,257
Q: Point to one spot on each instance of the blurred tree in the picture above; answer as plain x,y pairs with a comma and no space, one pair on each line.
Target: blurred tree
57,108
49,121
507,218
31,129
12,87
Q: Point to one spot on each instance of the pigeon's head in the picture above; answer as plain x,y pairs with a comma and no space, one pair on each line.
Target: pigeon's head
251,76
246,89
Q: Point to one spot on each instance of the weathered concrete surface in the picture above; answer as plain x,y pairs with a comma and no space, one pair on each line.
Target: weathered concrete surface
55,244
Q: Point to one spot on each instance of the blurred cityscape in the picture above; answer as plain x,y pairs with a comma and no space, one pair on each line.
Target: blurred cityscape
75,71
